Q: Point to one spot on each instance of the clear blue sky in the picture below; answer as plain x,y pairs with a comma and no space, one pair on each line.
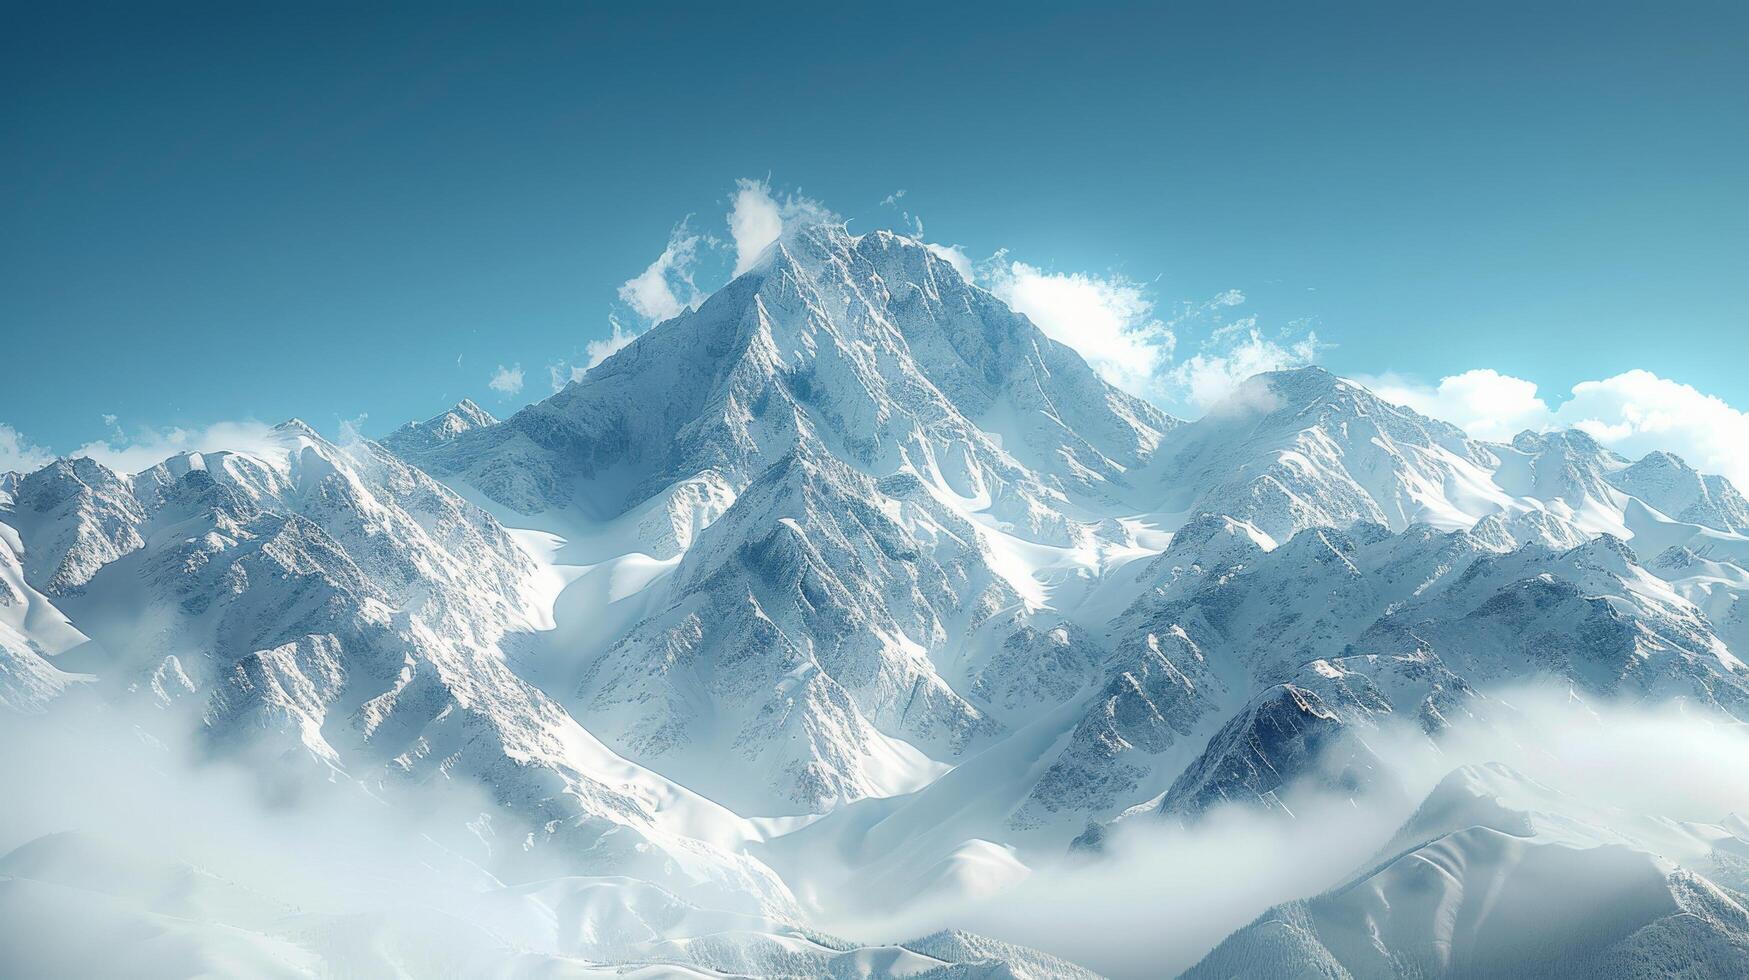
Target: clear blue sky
263,210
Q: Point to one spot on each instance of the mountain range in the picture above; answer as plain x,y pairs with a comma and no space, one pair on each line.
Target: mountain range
849,590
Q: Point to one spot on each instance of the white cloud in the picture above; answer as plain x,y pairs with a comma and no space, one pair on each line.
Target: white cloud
562,373
352,429
146,448
652,293
1603,761
757,219
892,200
506,381
1633,413
19,454
1109,321
955,256
601,350
1637,412
1222,365
1483,402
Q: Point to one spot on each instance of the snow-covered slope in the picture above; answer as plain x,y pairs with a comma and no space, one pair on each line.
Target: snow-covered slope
848,586
1493,877
833,441
330,612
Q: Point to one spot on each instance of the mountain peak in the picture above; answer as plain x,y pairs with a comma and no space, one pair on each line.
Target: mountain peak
1573,440
466,408
466,416
1293,392
1658,459
1310,377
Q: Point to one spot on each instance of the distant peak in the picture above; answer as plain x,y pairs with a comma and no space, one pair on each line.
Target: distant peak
297,426
82,469
1293,389
1310,371
473,413
1309,381
1659,459
1573,440
465,416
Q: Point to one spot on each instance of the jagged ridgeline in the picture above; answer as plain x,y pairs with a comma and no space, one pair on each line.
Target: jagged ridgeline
850,590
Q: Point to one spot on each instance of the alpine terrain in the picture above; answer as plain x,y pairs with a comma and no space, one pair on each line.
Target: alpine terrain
810,631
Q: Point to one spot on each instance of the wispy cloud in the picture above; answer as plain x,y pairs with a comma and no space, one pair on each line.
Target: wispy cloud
1112,321
755,222
601,350
757,219
955,256
562,373
665,287
1109,320
910,224
506,381
1483,402
1234,352
18,453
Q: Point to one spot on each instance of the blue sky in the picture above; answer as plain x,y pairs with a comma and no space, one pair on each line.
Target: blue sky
246,212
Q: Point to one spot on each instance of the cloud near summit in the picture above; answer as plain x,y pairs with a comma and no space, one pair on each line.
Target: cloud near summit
1109,321
1634,413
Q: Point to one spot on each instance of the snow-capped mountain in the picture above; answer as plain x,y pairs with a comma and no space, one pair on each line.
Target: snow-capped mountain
837,416
338,612
1496,874
850,586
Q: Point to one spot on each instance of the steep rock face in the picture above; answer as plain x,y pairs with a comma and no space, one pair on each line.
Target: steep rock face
812,608
1157,693
74,516
1311,735
825,449
1485,614
1036,668
1281,736
1567,466
1272,612
1298,449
